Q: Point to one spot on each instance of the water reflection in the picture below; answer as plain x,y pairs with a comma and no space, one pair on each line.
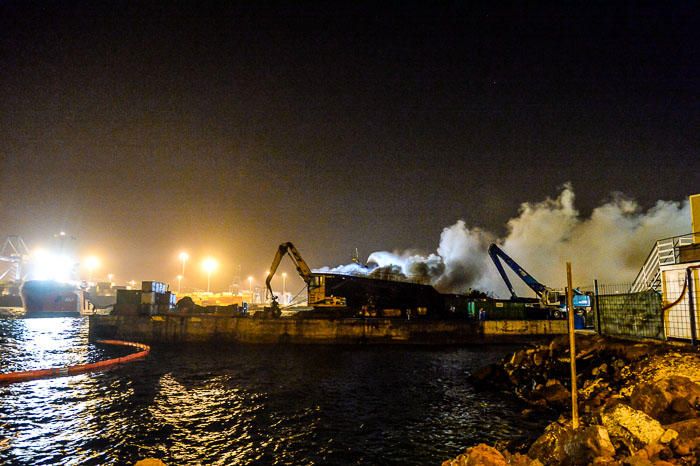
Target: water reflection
245,404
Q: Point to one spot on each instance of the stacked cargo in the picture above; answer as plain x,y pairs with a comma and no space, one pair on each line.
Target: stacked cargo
152,298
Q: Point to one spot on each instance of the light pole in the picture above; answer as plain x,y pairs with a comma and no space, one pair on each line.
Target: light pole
183,257
284,287
92,263
250,286
110,277
209,265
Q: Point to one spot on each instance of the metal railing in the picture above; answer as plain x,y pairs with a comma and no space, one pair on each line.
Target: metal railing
664,252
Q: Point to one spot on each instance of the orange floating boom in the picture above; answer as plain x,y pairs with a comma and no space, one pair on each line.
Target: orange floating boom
23,376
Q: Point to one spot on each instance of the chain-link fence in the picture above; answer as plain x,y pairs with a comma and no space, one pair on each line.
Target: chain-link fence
671,313
621,313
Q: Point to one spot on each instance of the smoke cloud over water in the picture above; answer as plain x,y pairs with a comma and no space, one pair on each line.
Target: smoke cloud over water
610,245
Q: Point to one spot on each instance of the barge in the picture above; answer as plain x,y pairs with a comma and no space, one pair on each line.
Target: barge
232,329
341,309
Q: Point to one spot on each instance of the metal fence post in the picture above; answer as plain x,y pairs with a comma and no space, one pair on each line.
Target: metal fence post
691,306
597,307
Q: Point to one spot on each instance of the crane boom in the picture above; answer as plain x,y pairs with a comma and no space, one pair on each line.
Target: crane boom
496,254
301,266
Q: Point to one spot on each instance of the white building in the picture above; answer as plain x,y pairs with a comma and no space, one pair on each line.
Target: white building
679,271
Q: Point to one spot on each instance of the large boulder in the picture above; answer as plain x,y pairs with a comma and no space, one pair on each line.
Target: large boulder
689,429
517,459
669,400
556,393
562,445
488,376
592,442
480,455
549,447
149,462
688,440
631,427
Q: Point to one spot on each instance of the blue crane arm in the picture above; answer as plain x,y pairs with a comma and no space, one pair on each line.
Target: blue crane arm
495,252
499,267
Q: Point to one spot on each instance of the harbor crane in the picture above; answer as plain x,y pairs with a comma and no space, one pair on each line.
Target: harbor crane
15,253
554,300
300,264
315,283
547,296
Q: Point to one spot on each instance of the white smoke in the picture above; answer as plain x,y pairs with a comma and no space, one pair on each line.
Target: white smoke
610,245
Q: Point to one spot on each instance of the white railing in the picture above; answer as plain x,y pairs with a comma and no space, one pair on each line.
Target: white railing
664,252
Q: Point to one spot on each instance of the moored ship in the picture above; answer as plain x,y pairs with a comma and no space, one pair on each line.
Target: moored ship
51,298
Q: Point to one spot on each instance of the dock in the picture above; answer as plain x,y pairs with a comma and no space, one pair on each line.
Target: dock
211,328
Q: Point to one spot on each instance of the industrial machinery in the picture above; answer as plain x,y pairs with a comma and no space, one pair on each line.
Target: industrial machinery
315,284
547,296
553,300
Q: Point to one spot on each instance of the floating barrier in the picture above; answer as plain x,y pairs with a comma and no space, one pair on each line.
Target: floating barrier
107,364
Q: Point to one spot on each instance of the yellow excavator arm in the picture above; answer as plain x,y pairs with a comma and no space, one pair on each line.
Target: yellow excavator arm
301,266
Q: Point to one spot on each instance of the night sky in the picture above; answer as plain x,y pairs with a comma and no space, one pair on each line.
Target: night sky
145,128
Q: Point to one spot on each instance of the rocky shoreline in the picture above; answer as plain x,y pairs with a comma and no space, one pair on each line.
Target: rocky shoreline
639,404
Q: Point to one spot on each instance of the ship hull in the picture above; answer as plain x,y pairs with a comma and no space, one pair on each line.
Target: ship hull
47,298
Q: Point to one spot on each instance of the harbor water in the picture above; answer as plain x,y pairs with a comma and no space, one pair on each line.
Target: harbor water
246,404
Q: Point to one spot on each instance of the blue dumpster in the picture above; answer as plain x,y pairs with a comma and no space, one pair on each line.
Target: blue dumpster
579,321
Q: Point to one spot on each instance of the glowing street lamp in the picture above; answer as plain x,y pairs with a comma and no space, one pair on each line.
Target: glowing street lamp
132,283
284,287
92,263
183,258
179,282
250,286
110,277
209,265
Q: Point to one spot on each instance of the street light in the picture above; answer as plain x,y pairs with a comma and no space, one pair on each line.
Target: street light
284,287
250,285
91,263
209,265
183,257
110,277
179,282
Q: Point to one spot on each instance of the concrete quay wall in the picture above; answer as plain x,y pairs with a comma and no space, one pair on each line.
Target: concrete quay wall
228,329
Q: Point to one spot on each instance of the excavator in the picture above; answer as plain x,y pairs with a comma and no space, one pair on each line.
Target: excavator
553,300
547,296
314,283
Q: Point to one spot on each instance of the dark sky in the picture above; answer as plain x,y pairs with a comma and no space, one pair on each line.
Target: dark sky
226,128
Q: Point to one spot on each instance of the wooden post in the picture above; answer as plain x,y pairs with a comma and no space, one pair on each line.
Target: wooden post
597,308
572,346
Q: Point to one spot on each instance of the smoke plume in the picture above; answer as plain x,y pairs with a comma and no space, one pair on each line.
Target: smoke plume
611,245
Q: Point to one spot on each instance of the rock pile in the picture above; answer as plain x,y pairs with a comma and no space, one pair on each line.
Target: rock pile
639,404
